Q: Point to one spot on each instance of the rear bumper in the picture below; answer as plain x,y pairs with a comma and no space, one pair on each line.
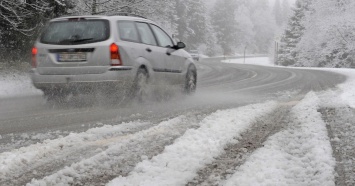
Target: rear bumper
114,79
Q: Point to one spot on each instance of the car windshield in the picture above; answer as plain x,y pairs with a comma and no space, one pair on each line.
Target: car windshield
75,32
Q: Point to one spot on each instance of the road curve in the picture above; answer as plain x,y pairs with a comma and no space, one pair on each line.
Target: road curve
220,85
51,154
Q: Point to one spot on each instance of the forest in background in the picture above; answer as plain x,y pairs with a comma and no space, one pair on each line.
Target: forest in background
213,27
317,33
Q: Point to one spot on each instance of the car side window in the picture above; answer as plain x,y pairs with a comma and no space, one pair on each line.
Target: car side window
127,31
163,38
146,34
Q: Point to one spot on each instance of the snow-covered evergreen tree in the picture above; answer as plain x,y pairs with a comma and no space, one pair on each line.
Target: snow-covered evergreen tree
278,13
20,22
328,40
252,27
163,12
285,5
245,32
225,25
264,26
288,54
191,22
197,23
110,7
211,48
22,16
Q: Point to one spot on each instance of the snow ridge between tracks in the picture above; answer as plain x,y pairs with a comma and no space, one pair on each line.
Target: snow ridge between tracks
179,162
121,156
17,163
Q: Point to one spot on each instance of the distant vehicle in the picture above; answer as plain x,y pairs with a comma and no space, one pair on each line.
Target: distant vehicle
195,55
78,54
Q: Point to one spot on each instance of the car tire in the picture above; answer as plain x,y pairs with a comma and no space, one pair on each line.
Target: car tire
190,81
140,87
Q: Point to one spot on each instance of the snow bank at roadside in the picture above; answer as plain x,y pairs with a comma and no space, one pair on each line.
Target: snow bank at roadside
348,87
345,94
179,162
300,155
16,84
263,61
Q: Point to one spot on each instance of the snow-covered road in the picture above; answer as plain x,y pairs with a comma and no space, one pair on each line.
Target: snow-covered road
246,135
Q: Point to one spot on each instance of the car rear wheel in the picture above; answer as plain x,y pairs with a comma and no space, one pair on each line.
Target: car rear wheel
140,90
190,81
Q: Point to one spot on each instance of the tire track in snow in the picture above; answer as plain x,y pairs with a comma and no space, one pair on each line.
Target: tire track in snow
179,162
121,157
35,161
236,153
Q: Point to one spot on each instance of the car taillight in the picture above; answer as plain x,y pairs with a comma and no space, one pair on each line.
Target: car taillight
34,57
115,55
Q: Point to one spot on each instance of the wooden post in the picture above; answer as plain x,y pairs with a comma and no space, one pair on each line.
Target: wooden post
277,52
245,49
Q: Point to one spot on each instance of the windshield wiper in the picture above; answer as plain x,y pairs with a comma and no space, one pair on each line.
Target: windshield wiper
81,40
75,40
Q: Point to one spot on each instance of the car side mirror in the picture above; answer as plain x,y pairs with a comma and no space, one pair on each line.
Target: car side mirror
179,45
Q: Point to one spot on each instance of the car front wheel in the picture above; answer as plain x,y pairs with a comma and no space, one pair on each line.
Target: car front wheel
190,81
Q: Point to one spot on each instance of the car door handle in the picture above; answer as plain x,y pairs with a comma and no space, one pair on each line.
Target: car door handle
148,50
168,53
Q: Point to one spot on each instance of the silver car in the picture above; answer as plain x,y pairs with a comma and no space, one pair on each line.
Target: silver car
79,54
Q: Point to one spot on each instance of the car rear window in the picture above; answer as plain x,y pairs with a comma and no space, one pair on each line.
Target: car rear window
74,32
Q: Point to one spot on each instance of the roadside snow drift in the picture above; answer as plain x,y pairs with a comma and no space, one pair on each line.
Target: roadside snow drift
263,61
348,88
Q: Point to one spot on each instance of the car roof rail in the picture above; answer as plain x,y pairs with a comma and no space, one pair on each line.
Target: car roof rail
70,15
112,14
126,14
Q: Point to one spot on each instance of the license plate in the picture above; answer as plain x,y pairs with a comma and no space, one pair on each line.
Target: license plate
71,57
